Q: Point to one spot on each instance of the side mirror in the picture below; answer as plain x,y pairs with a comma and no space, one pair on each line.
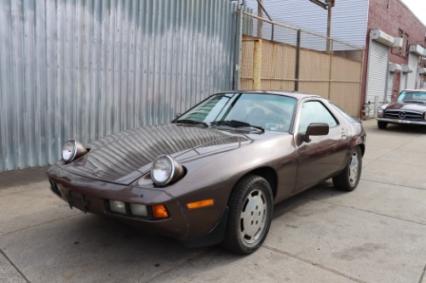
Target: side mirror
316,129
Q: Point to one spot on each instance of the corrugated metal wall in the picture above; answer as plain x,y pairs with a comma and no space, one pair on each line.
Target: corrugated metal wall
85,69
350,18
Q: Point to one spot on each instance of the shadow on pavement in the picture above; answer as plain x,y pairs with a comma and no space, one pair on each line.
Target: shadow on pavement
322,191
396,128
22,177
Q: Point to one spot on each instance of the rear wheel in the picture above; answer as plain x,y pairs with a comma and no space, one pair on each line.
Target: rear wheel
349,178
250,215
382,125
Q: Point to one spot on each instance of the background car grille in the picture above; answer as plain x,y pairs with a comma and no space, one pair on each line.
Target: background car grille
404,115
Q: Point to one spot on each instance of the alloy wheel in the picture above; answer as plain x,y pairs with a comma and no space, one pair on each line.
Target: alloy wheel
253,218
354,169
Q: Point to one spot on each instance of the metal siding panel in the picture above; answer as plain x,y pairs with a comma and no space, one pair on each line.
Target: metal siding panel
87,68
5,122
17,74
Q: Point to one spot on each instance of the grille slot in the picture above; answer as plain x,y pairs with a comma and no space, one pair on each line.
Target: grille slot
404,115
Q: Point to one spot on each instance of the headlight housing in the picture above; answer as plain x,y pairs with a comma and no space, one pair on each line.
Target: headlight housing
381,110
165,170
72,150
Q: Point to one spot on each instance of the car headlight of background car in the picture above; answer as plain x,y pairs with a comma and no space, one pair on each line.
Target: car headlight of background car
72,150
165,170
381,110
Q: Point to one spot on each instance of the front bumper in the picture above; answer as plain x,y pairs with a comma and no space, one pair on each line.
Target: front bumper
93,196
403,122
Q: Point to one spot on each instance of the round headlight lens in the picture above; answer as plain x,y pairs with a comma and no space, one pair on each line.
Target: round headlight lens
166,170
381,110
72,150
69,151
163,170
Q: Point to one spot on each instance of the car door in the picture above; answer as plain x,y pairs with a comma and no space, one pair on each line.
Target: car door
321,156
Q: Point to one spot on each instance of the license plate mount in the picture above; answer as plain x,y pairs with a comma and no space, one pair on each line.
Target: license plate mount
78,200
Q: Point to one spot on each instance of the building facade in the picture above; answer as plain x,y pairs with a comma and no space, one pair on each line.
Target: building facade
392,36
394,52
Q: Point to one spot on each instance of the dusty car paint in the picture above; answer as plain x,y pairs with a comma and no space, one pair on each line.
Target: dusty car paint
404,113
115,158
117,168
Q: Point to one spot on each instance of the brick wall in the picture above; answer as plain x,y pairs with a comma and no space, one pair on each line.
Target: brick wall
391,16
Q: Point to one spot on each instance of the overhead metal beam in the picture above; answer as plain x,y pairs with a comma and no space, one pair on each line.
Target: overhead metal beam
260,3
323,4
320,3
260,10
330,5
327,5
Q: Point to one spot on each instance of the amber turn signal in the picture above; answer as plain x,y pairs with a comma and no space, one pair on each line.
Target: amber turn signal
200,203
160,211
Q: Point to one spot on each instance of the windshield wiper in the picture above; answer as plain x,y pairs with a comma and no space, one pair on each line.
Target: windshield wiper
192,122
237,124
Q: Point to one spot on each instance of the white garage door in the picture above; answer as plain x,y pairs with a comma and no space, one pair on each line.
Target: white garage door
378,58
412,76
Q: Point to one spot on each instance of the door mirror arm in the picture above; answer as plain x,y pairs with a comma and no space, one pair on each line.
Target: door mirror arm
302,138
306,138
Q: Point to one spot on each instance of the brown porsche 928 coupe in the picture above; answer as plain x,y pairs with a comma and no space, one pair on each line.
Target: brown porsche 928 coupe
214,174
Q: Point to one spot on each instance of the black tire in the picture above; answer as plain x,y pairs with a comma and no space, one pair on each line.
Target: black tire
344,181
382,125
257,186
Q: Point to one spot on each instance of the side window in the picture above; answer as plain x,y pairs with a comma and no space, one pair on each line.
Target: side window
315,112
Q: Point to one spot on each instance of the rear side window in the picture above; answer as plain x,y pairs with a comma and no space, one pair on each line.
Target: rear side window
315,112
344,114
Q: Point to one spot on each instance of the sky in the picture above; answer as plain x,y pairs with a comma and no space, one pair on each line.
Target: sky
418,7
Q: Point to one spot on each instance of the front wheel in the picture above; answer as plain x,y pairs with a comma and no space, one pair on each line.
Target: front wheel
349,178
250,215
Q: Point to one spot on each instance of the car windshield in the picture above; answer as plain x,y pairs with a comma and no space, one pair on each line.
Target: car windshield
412,96
243,110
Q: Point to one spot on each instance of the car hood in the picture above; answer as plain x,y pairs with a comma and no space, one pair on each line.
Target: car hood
407,107
124,157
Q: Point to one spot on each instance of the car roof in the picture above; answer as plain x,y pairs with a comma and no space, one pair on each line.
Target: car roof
297,95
